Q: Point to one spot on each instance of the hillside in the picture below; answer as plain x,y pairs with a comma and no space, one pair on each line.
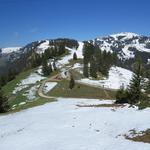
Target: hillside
86,111
128,46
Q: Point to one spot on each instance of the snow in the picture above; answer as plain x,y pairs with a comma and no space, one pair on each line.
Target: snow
77,65
126,53
127,35
31,94
31,79
107,43
78,51
48,86
39,70
62,125
10,49
42,47
117,77
22,103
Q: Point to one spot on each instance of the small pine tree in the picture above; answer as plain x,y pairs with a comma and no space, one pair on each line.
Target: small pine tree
45,68
3,81
85,71
54,65
147,86
72,82
121,96
134,89
50,68
4,106
75,56
93,68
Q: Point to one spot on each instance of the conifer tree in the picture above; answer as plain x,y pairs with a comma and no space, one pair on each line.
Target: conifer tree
54,65
4,106
45,68
75,56
72,82
85,70
3,81
134,89
50,68
93,68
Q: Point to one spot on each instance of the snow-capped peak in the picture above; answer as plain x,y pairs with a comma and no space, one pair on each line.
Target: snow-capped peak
126,35
10,49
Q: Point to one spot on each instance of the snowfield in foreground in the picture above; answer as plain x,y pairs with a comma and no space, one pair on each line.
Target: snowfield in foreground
62,125
117,77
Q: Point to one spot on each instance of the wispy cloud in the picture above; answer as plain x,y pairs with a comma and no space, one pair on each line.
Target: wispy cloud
16,35
33,30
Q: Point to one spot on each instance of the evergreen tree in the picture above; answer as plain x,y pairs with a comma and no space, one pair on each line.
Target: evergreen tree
133,94
72,82
75,56
134,89
45,68
85,70
11,74
147,87
93,68
3,81
121,96
50,68
54,65
4,106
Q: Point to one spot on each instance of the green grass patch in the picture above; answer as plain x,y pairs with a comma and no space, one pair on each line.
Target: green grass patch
80,91
19,97
38,102
10,86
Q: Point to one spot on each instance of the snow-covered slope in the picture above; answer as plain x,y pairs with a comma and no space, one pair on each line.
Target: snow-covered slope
126,44
42,47
117,77
125,35
64,126
10,50
78,51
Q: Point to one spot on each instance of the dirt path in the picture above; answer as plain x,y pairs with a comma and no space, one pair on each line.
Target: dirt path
51,79
56,78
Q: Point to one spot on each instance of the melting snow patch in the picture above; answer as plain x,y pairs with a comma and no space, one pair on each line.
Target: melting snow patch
22,103
48,86
117,77
31,93
32,79
78,51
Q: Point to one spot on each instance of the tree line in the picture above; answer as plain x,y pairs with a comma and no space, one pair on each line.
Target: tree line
97,61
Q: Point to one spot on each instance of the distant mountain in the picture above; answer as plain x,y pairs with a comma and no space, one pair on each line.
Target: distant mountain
128,46
19,57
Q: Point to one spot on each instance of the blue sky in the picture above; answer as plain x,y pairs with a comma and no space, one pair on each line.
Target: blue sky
24,21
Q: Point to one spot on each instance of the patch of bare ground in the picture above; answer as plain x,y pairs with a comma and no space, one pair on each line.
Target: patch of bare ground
102,105
142,136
